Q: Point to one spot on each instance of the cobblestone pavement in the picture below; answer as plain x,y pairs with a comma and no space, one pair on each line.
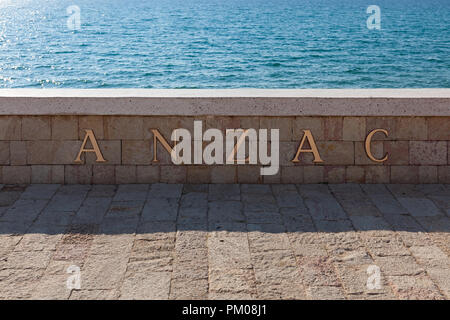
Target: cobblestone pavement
226,241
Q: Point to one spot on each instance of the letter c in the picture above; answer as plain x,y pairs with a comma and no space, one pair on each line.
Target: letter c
367,145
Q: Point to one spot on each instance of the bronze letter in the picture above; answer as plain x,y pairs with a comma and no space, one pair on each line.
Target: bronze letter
160,138
308,135
369,140
90,135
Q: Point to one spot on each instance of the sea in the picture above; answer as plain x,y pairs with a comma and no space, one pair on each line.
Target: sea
224,44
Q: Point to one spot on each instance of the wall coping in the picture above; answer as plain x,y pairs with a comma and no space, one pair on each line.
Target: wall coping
226,102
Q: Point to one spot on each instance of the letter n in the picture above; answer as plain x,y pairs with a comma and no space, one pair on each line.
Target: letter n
308,136
90,135
158,137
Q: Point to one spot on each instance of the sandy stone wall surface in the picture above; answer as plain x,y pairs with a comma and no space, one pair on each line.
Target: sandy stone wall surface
41,148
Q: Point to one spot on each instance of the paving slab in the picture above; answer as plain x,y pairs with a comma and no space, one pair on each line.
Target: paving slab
199,241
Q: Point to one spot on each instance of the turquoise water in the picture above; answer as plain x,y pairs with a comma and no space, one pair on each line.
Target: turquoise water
224,44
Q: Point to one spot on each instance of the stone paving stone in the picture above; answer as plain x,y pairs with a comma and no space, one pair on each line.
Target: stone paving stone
263,237
14,228
124,210
362,223
93,295
225,241
419,207
66,202
442,202
235,282
103,271
383,199
399,266
39,192
221,211
357,205
264,217
194,200
18,283
28,259
51,287
9,195
196,187
8,243
259,202
255,189
430,256
414,287
278,189
60,218
290,199
102,191
321,204
441,279
277,275
146,285
229,253
38,242
325,293
153,250
226,229
130,192
354,281
160,209
434,224
187,288
219,192
24,210
405,190
111,244
92,210
162,190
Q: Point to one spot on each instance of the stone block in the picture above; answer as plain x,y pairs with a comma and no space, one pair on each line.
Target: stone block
354,129
173,174
376,174
5,152
10,128
125,174
284,124
248,174
198,174
292,174
428,174
148,174
397,151
404,174
411,128
16,174
36,128
313,174
438,128
224,174
18,153
123,128
355,174
314,124
78,174
103,174
428,152
95,123
333,129
64,127
138,152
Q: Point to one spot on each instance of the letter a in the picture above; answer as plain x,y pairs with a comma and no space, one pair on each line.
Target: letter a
90,135
312,143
